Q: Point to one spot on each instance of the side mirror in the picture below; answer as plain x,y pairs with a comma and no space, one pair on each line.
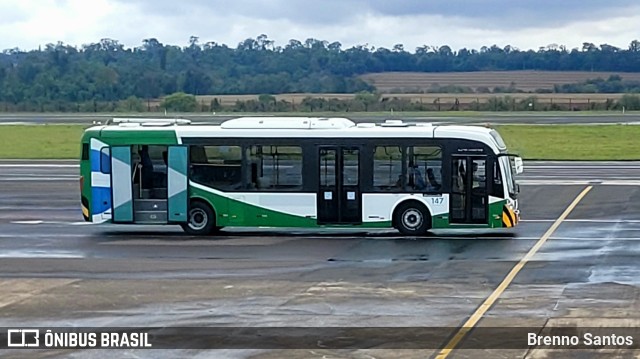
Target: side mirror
519,165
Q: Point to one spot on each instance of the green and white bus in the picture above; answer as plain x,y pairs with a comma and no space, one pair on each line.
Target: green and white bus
298,172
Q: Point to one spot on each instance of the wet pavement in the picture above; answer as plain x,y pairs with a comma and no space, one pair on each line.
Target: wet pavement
55,270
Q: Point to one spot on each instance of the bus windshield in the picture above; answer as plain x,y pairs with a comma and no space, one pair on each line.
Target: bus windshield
508,169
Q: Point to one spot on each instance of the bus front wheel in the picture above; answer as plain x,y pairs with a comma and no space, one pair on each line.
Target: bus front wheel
412,218
200,219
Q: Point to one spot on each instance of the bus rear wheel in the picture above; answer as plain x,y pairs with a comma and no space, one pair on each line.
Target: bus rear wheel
412,218
200,220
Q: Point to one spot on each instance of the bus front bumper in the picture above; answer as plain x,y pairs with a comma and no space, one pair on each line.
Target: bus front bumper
510,216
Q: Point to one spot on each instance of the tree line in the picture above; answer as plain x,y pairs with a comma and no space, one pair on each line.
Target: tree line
106,74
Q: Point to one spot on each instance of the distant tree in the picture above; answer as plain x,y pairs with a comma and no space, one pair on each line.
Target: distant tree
588,46
367,99
215,104
630,102
608,48
180,102
398,48
267,102
103,75
334,46
133,104
193,41
445,51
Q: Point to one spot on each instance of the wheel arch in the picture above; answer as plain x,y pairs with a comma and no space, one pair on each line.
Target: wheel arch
202,200
407,200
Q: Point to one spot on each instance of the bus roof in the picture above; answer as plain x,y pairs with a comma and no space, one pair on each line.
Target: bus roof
318,127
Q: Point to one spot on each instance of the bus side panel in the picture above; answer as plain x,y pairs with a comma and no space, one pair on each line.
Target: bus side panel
258,209
274,209
100,182
379,207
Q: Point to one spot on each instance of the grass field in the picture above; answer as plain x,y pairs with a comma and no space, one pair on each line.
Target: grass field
545,142
40,141
573,142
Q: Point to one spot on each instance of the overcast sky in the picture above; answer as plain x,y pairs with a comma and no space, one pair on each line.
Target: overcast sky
525,24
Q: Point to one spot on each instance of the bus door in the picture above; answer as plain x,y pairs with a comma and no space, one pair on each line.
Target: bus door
469,201
177,184
159,182
339,199
121,190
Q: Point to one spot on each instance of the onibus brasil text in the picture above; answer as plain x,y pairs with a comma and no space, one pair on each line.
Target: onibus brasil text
91,340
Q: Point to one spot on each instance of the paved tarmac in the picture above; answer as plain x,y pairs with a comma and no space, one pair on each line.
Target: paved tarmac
58,271
481,118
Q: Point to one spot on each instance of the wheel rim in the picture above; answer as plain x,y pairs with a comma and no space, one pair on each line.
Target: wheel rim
412,218
198,219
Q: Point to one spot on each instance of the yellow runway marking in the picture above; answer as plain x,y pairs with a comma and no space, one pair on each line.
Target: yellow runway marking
491,299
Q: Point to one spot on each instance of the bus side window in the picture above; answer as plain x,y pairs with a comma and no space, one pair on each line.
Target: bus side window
425,168
198,154
217,166
432,179
387,169
274,167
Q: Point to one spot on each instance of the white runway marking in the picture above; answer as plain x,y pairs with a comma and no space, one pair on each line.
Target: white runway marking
18,179
39,254
41,235
555,182
33,222
613,221
582,167
36,165
596,238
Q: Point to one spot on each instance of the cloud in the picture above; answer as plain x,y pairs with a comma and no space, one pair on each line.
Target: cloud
488,13
12,14
381,23
49,21
502,14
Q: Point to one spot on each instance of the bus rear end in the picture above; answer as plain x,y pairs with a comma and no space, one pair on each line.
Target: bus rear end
95,195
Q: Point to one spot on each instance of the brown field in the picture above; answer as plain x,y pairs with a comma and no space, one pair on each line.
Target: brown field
413,86
441,101
529,81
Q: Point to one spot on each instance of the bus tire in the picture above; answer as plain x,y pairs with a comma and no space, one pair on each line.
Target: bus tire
201,219
412,218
